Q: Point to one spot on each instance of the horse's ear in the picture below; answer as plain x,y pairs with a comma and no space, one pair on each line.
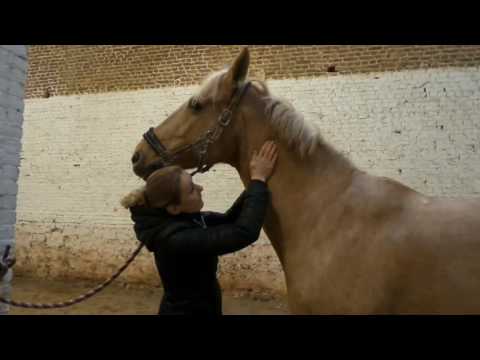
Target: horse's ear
237,72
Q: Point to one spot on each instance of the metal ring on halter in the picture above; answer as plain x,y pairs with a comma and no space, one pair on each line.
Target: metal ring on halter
225,117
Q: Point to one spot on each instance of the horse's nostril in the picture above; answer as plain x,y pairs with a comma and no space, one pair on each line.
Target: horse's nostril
135,157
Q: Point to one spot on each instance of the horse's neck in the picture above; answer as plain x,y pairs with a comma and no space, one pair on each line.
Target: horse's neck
298,187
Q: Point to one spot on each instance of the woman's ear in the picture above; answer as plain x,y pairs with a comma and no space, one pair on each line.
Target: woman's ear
173,209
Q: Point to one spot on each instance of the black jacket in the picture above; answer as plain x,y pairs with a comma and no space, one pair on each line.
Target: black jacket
187,246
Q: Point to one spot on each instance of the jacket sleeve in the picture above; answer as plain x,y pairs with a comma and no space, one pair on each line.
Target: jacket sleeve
227,238
214,218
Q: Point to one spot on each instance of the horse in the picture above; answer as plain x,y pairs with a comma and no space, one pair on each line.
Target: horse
348,242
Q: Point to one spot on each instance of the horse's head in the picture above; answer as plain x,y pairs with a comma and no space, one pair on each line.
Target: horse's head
200,132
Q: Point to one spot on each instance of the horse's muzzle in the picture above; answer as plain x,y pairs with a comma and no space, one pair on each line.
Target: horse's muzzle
143,171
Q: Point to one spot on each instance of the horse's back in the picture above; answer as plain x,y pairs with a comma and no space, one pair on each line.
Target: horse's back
440,270
406,253
434,243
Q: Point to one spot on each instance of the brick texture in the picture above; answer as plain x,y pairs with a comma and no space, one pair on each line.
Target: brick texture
13,68
63,70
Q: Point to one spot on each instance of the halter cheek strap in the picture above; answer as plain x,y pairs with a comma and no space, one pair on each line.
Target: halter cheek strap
199,147
157,146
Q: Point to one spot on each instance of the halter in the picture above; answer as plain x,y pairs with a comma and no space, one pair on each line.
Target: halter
199,147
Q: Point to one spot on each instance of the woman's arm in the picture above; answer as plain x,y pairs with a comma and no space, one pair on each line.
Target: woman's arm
245,229
225,239
213,218
261,168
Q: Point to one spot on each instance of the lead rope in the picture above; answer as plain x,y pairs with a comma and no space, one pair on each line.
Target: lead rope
80,298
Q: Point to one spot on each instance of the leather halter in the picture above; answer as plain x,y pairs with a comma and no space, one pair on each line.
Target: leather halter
199,147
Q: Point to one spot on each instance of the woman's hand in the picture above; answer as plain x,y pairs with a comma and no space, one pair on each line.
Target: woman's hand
263,162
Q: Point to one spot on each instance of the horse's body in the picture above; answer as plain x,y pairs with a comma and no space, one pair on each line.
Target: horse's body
348,242
376,246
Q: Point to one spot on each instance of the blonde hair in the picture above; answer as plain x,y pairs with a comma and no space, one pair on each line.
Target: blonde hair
134,198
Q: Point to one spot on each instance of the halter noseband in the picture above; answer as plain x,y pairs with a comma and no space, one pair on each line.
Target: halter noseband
199,147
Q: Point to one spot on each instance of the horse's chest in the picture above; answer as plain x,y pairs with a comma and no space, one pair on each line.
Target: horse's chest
335,279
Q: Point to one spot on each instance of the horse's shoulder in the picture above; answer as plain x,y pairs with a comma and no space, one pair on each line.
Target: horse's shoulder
383,194
380,185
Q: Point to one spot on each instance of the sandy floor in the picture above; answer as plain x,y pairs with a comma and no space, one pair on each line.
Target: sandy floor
121,300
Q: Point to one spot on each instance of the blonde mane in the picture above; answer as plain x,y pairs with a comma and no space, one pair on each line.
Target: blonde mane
287,122
290,125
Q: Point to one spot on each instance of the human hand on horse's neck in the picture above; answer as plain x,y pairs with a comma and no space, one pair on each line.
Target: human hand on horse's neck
263,162
323,166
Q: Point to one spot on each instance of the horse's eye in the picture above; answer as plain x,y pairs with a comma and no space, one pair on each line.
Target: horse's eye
194,104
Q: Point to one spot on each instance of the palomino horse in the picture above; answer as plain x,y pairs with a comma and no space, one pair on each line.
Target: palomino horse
349,242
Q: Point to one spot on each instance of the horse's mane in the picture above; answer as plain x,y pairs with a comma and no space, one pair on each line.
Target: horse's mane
287,122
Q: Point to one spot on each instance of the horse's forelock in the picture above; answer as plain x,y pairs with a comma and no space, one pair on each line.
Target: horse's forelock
210,86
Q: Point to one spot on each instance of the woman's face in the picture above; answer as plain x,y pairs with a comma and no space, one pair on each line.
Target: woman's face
190,195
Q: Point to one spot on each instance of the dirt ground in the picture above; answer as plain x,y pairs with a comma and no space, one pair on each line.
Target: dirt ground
122,300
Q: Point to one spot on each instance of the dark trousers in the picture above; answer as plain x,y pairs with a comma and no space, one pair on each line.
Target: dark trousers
209,304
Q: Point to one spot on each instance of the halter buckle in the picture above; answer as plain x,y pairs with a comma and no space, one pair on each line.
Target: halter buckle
225,117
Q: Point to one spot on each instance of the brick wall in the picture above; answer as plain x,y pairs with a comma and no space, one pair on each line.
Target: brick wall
63,70
13,67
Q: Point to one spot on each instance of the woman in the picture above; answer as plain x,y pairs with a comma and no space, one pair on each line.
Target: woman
186,242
